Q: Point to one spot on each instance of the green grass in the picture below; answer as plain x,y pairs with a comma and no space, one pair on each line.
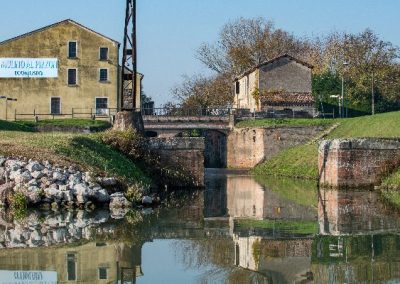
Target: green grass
85,150
66,122
301,192
297,162
302,161
284,122
11,126
295,227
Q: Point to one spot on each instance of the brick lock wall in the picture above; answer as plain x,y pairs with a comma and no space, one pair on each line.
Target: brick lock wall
357,162
249,146
185,154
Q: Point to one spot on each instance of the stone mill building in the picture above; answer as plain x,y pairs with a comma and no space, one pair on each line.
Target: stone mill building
64,69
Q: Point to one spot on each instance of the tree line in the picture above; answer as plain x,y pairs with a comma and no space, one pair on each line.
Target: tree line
368,65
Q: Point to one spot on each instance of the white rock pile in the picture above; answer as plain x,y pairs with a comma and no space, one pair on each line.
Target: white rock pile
42,182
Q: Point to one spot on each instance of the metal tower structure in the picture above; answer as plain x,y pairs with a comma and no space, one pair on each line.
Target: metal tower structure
129,60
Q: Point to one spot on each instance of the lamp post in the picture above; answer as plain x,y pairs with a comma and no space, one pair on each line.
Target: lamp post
372,94
340,107
344,65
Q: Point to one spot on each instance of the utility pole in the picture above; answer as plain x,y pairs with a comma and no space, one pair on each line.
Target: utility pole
129,58
130,114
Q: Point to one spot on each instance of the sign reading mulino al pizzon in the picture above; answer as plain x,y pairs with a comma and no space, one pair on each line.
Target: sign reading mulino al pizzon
28,67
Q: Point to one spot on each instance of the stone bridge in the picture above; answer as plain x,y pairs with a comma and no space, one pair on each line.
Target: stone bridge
214,129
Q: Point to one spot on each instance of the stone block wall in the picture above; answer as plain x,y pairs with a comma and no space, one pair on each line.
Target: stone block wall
347,163
185,154
248,147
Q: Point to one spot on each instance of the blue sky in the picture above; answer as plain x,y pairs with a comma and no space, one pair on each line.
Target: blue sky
170,31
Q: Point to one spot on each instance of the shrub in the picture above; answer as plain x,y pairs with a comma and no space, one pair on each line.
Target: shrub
129,142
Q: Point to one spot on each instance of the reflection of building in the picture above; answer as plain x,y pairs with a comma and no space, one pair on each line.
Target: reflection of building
280,261
89,263
246,198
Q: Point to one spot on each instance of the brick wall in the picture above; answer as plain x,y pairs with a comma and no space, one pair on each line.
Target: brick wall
248,147
357,162
185,154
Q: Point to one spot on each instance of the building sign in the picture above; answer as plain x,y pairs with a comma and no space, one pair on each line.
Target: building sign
28,67
28,277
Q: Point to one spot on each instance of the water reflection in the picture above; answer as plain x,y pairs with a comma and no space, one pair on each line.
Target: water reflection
239,230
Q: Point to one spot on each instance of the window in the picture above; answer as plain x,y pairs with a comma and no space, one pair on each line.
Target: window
237,87
101,106
55,105
72,49
102,273
71,266
103,53
72,76
103,75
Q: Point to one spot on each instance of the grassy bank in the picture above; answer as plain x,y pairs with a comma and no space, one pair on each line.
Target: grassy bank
93,124
284,122
85,150
301,161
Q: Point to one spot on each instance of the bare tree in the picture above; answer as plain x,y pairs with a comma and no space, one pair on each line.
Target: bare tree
245,43
201,91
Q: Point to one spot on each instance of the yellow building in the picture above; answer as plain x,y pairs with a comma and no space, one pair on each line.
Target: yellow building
63,69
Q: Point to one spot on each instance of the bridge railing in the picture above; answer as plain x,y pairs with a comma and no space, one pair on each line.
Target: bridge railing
187,111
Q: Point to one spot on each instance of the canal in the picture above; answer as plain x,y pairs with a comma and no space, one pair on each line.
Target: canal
240,229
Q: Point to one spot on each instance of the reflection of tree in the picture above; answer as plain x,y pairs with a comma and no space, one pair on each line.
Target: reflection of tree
200,253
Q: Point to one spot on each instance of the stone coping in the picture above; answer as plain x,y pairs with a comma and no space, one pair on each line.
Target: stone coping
360,144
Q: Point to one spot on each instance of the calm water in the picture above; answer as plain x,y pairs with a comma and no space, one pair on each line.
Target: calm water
239,230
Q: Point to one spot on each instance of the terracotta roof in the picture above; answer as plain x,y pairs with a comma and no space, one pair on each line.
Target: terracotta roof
56,24
286,99
272,61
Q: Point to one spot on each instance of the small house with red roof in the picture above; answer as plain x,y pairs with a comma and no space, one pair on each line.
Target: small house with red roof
281,85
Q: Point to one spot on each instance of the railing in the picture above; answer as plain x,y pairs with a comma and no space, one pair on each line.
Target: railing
100,113
178,111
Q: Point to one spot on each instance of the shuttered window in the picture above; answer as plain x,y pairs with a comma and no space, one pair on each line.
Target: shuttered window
55,105
72,49
103,53
102,106
103,75
72,76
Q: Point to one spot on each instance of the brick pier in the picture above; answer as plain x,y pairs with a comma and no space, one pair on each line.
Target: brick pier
350,163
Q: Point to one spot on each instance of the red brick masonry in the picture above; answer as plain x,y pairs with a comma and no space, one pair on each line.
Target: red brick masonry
349,163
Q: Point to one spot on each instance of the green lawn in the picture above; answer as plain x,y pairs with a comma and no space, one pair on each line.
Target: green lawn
85,150
11,126
284,122
66,122
297,162
301,161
